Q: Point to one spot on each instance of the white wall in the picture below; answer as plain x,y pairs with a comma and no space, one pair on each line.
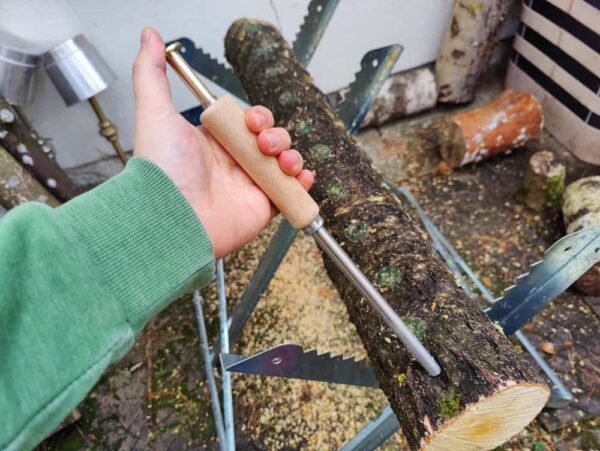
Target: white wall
113,26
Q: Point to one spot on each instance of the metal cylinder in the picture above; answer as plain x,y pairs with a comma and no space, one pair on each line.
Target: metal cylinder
77,70
17,75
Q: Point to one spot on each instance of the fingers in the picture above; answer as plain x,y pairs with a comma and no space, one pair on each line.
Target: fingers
306,178
290,162
150,84
273,141
259,118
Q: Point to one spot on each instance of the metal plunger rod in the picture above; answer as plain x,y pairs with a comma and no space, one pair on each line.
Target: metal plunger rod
108,129
225,120
189,77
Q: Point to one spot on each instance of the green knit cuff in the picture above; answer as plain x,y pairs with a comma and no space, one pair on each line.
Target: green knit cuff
144,239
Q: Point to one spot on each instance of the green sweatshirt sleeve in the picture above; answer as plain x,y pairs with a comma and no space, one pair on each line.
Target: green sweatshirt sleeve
78,282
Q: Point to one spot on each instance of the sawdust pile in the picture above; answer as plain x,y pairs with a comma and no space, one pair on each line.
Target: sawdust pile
301,306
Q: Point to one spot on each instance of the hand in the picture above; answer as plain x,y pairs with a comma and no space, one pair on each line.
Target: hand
231,207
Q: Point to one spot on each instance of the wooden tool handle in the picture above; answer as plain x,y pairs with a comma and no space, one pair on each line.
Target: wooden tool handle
226,121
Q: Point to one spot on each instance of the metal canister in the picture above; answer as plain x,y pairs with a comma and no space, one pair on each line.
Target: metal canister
17,75
77,70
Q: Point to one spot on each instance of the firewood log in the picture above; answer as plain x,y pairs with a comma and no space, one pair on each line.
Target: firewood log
544,182
506,123
17,186
581,209
24,145
403,94
487,391
464,53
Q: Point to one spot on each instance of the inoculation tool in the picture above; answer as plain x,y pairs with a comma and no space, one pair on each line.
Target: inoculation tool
225,119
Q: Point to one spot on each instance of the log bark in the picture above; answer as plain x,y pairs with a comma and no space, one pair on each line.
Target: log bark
581,209
487,392
544,182
401,95
17,186
23,143
506,123
472,34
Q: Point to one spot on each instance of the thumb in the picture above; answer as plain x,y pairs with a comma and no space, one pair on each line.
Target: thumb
150,84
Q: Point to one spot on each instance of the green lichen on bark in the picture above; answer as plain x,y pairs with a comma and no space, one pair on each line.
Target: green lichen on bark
335,189
401,379
388,277
555,190
476,359
320,152
357,232
450,405
303,127
417,326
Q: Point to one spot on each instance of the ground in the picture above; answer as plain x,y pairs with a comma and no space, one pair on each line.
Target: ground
156,398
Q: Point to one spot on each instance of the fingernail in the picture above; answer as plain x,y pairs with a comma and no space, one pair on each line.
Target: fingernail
145,36
273,140
260,119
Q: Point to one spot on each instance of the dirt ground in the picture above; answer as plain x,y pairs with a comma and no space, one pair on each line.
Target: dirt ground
156,398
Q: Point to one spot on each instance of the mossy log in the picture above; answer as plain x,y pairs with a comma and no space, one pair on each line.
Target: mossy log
17,186
581,209
472,34
487,391
544,182
25,146
506,123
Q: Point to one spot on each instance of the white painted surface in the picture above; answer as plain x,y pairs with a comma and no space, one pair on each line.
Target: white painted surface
113,26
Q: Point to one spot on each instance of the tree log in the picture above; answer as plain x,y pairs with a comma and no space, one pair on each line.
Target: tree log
581,209
472,34
487,392
506,123
23,144
544,182
403,94
17,186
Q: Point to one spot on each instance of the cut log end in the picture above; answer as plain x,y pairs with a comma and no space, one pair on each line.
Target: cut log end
508,122
491,422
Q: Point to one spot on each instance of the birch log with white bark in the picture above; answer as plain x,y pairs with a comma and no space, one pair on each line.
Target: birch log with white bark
472,34
581,209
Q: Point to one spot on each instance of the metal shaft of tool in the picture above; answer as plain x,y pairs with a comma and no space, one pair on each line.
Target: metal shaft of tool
187,74
323,238
372,295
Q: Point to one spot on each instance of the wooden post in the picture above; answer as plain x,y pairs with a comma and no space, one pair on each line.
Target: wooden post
17,186
487,391
506,123
23,144
581,209
472,34
544,182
